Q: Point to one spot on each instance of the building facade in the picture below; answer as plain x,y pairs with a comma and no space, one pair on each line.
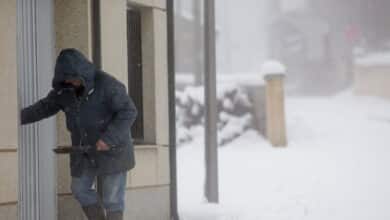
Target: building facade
126,38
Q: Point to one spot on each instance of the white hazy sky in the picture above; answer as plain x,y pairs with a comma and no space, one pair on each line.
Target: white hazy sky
290,5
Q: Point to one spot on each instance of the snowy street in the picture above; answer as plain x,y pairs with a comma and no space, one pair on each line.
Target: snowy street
336,166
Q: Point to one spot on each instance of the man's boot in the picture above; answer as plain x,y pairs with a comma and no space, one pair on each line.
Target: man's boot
94,212
117,215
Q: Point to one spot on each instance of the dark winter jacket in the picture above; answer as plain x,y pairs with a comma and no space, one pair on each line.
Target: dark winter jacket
102,110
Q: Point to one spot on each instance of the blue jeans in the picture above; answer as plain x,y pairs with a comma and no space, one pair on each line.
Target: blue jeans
113,190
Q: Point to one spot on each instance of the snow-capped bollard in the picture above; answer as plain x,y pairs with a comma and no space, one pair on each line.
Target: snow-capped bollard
274,73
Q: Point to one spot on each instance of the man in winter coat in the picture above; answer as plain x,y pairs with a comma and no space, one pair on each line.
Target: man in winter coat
99,114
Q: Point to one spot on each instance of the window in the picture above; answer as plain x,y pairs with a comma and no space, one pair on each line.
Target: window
135,70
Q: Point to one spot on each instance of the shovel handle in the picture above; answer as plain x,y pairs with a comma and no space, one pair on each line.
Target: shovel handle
70,149
63,150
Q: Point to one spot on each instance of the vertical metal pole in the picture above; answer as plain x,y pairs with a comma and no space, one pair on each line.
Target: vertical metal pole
97,59
211,151
198,42
172,107
96,33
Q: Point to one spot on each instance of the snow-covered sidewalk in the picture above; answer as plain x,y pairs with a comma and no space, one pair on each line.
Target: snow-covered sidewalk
336,167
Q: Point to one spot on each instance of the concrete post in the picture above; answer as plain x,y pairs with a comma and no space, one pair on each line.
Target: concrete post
275,112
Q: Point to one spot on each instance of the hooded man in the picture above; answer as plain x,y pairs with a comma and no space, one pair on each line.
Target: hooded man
99,113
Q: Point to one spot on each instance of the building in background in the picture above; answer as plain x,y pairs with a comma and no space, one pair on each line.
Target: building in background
240,37
319,40
127,39
315,48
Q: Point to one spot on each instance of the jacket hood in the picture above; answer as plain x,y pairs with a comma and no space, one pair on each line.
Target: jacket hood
72,64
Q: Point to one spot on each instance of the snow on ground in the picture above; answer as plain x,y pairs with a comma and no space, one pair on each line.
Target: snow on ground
336,166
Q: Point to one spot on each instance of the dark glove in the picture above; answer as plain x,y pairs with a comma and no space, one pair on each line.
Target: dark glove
66,97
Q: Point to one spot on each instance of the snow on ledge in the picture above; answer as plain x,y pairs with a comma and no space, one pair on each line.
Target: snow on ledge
273,67
374,59
239,78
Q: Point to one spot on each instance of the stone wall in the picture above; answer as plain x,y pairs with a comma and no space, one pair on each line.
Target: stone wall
9,112
372,81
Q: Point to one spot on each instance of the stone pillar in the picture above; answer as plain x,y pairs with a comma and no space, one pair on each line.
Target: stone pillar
275,112
113,24
155,75
151,178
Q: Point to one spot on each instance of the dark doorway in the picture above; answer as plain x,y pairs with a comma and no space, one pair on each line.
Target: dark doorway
134,42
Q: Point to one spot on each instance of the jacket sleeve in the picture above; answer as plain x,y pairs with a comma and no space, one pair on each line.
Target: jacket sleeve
44,108
124,115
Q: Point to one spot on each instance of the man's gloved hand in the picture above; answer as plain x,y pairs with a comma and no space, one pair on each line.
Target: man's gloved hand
66,96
